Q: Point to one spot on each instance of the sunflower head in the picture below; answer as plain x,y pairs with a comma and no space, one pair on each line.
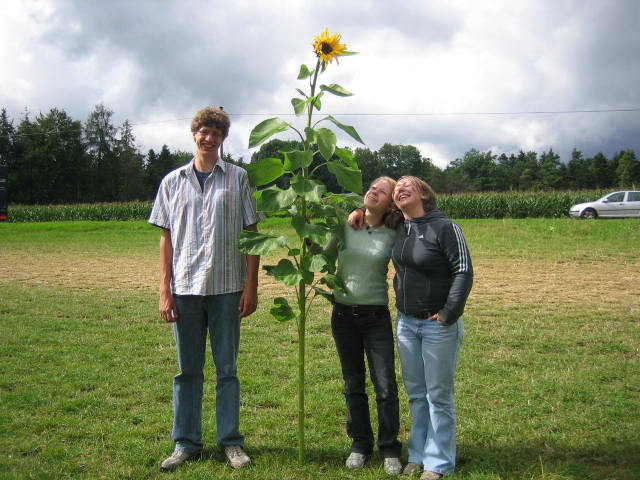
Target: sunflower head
328,46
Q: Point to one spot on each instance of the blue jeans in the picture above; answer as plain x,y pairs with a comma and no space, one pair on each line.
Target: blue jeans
429,355
217,315
368,333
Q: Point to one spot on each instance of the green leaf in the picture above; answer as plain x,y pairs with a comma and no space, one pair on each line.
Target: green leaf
272,199
349,178
266,129
336,90
315,101
311,190
317,233
346,128
310,133
285,271
315,263
326,142
324,293
256,243
281,310
302,93
304,72
333,282
348,157
296,159
299,106
265,171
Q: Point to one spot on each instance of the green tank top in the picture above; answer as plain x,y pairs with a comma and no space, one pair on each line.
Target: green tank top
363,265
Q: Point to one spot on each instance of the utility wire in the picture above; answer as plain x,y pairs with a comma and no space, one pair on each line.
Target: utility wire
370,114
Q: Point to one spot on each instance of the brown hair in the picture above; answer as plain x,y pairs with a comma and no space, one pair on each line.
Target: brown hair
211,117
429,203
393,215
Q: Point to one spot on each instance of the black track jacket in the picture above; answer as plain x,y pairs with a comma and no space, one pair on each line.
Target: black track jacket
433,267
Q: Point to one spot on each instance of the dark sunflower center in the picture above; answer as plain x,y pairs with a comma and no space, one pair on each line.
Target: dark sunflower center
326,48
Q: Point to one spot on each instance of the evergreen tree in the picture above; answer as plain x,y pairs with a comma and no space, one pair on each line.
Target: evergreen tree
628,171
100,138
132,165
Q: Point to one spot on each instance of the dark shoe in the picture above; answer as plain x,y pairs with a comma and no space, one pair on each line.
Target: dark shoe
411,468
236,456
177,458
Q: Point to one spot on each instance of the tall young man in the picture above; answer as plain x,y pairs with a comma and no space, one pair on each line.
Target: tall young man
206,284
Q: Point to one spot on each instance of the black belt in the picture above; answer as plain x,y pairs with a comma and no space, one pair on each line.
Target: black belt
356,310
421,315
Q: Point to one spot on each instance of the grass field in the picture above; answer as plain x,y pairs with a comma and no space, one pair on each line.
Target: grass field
548,385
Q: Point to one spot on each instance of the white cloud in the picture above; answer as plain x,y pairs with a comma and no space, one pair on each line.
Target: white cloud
424,62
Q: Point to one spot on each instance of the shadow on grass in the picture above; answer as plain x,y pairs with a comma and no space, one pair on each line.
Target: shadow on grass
620,461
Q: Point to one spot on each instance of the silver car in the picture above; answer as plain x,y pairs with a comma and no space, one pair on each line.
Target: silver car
613,205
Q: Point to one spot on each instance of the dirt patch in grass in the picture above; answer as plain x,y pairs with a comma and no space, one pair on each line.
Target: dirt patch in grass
599,286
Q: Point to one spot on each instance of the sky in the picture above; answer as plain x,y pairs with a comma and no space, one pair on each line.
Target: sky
445,76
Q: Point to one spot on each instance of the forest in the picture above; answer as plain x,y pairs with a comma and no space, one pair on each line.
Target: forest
55,159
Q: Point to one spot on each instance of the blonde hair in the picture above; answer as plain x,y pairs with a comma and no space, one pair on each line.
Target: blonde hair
431,201
393,215
211,117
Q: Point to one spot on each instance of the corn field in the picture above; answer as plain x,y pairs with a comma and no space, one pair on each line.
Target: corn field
514,204
74,212
467,205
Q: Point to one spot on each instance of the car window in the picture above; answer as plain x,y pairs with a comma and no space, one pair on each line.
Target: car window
634,197
616,197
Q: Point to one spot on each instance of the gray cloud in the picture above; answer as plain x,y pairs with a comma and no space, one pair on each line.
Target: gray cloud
156,62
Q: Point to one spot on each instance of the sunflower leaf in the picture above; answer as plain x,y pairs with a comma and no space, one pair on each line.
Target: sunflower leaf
256,243
281,310
348,178
336,90
304,72
311,190
273,199
266,129
299,106
265,171
326,142
346,128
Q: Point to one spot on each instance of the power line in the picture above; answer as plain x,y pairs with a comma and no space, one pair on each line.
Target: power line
383,114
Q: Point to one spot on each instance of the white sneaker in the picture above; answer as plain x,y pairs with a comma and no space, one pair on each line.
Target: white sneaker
177,458
236,456
392,466
355,461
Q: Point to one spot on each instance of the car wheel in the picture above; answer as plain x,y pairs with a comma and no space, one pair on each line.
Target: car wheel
589,213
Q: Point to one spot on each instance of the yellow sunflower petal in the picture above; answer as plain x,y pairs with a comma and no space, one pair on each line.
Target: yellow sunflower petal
328,46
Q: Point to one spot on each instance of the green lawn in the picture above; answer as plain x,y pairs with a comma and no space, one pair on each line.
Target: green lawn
548,384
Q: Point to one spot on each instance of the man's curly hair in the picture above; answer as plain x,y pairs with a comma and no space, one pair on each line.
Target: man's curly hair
211,117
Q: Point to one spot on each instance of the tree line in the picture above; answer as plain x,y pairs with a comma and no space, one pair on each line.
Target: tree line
53,158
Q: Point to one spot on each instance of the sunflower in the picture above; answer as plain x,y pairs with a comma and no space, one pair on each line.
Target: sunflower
327,46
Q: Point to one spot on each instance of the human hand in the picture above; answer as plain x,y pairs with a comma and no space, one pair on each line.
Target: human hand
168,309
248,301
356,219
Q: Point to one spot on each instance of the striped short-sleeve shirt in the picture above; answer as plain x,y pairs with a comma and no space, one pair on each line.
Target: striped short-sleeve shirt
205,226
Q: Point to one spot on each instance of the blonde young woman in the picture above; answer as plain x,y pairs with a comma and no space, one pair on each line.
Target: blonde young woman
361,326
433,279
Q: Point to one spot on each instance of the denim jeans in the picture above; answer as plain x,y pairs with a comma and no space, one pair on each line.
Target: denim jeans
355,336
217,315
429,355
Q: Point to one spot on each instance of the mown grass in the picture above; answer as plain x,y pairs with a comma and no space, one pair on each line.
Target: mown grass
548,385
